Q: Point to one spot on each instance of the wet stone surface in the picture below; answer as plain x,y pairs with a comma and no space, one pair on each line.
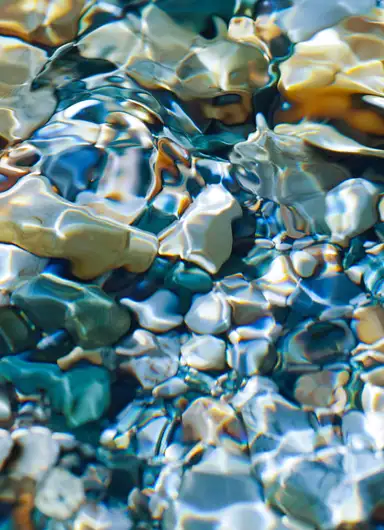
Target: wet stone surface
191,265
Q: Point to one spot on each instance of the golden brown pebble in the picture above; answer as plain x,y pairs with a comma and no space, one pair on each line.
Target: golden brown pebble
158,53
266,28
49,22
231,113
9,167
22,510
369,323
256,32
79,354
326,73
169,156
213,422
34,218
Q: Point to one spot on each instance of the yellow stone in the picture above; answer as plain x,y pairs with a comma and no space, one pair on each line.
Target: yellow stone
34,218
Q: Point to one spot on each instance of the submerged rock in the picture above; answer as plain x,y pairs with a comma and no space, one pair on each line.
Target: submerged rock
151,359
60,495
191,265
54,228
38,452
157,313
203,235
209,314
283,168
90,316
342,203
81,395
205,352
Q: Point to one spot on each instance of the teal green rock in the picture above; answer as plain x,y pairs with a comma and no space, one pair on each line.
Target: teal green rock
91,317
81,395
17,333
193,279
260,257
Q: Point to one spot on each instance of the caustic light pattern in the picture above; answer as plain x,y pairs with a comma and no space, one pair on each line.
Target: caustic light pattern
191,265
